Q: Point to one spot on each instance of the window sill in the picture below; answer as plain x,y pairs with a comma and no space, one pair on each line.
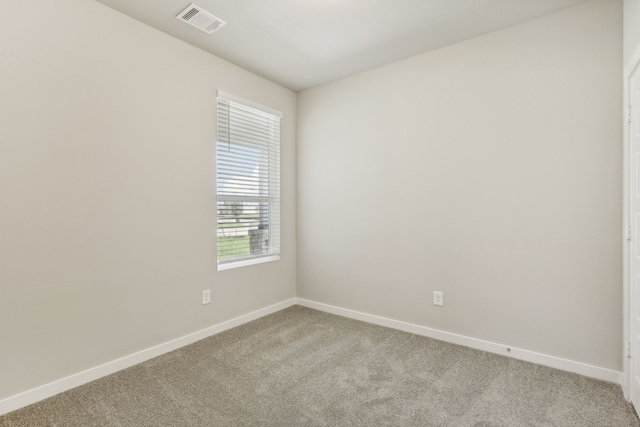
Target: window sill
246,262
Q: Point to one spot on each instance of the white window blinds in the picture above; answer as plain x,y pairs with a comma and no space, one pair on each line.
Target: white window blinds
247,182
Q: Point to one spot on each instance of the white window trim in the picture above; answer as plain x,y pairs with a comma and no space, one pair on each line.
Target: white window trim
258,259
246,262
248,103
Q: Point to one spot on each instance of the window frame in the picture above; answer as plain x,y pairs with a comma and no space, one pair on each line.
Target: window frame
272,253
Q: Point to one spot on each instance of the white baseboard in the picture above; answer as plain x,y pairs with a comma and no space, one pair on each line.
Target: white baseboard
39,393
517,353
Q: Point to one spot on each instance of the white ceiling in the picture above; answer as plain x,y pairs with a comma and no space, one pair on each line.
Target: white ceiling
302,43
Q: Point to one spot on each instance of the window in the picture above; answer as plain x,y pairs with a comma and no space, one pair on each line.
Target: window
247,182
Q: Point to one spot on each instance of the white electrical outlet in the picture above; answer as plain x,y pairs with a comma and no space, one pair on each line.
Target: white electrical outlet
206,296
438,298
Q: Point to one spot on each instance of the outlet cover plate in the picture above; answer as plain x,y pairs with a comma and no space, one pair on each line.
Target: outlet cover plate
206,296
438,298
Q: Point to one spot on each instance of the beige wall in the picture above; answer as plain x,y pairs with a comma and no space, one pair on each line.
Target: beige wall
490,170
631,28
107,223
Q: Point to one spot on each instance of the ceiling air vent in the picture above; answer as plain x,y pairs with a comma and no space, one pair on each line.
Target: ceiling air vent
201,19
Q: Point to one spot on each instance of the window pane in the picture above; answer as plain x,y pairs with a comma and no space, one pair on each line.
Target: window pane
243,228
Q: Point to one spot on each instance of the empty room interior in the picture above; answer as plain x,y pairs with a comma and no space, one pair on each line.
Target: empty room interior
319,213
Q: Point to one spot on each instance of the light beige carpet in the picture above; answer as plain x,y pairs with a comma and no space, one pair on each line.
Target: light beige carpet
301,367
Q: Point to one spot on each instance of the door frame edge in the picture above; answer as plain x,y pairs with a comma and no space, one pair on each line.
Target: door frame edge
632,65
